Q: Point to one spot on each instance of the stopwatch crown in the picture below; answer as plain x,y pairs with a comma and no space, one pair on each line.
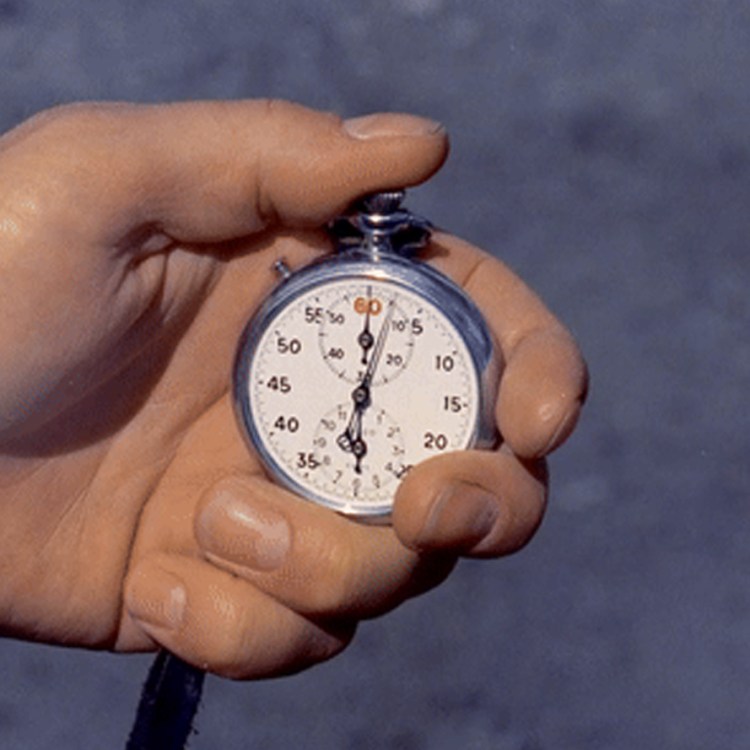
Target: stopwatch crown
385,203
379,224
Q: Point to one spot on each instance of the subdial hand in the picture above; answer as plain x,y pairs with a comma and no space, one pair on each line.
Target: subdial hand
346,439
365,338
350,440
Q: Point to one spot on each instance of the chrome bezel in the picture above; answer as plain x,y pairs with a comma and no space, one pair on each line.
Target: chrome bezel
414,275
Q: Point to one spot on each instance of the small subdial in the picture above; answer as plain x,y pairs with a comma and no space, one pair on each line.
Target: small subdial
362,464
349,331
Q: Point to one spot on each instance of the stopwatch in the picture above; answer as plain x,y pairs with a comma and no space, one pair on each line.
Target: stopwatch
364,363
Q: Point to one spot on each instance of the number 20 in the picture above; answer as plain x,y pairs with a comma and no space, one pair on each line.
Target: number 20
435,442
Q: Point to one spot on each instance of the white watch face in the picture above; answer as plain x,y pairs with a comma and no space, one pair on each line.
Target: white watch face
354,382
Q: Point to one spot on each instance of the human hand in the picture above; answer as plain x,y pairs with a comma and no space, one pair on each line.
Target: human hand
136,241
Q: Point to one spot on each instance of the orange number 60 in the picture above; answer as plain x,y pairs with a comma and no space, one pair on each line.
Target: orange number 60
362,305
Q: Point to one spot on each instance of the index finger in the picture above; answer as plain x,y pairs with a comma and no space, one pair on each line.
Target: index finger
545,380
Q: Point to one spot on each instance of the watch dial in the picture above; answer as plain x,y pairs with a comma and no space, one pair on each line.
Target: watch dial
354,382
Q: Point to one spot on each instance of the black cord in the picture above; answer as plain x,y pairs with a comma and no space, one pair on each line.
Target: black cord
169,702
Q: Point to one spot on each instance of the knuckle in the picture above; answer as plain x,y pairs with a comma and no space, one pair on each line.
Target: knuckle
349,582
69,121
60,115
52,156
277,646
311,645
281,109
277,107
333,580
223,647
22,215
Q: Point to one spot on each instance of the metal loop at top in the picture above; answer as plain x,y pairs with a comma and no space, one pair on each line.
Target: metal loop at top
379,224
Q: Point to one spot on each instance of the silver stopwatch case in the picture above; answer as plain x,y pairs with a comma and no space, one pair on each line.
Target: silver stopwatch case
376,249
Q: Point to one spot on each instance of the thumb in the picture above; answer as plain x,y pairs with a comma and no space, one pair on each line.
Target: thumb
214,171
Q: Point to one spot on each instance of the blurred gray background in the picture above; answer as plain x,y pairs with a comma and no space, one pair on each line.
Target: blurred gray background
602,149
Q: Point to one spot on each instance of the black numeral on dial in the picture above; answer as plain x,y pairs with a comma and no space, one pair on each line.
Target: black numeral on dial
435,442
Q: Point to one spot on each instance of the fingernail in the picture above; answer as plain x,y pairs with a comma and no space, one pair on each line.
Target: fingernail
461,516
248,533
157,597
384,125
